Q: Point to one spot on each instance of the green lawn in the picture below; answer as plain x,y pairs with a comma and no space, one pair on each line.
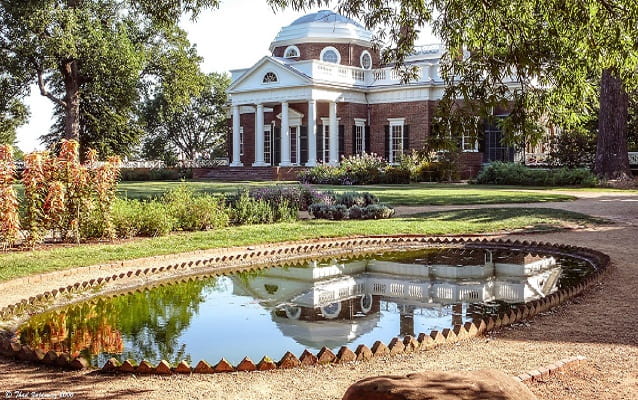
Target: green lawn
414,194
18,264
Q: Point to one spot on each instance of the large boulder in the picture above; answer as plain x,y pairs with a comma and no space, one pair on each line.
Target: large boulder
436,385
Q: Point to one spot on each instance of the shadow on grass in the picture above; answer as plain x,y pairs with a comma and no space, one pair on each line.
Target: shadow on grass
491,215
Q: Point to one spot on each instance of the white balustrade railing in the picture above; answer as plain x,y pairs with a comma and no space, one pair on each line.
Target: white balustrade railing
358,76
633,158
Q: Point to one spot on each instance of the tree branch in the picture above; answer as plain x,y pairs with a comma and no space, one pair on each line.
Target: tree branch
44,92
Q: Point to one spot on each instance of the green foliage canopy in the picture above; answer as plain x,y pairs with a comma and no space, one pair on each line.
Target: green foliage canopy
542,60
94,59
196,129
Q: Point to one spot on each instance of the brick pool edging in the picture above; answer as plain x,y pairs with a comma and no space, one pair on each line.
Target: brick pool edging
226,261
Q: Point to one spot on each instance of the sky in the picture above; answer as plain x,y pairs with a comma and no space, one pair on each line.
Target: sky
236,35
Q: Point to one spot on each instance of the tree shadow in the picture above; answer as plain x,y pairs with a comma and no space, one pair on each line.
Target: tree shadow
496,214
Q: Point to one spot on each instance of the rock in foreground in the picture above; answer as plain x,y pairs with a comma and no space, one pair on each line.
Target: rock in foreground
473,385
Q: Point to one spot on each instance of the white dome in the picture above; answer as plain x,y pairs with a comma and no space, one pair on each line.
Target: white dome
322,26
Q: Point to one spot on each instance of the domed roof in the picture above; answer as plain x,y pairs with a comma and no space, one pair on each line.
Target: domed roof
325,16
322,26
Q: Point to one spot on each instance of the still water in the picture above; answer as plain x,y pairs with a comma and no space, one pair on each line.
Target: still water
332,303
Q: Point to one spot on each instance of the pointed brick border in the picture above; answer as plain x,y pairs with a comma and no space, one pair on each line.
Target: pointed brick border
234,260
543,373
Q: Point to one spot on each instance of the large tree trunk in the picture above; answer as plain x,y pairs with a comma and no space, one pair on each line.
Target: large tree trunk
72,99
612,158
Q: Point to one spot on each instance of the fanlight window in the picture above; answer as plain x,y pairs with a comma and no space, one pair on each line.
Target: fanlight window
291,52
331,55
270,77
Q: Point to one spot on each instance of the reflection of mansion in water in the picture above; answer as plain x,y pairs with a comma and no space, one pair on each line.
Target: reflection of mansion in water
318,303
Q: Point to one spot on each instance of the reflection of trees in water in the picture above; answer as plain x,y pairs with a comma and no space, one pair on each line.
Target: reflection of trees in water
152,321
85,329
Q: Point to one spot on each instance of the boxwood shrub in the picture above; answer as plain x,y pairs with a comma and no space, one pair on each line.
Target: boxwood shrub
500,173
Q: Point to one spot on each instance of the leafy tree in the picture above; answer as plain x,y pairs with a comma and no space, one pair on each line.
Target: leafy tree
193,129
98,52
537,58
13,112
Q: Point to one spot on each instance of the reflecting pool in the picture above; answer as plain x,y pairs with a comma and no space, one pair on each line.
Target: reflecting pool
323,303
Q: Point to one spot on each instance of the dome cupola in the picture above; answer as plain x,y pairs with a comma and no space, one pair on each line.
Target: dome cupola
324,26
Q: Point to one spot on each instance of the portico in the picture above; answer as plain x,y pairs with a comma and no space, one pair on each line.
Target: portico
285,133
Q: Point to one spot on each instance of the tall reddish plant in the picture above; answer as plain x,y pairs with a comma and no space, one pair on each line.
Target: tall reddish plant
35,178
74,186
9,208
69,199
104,180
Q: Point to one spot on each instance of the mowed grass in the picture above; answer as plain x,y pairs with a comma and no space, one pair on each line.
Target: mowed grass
23,263
396,195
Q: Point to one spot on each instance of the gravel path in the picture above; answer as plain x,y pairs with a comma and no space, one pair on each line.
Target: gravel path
601,325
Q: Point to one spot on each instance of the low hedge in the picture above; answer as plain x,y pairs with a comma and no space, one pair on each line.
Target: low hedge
500,173
155,174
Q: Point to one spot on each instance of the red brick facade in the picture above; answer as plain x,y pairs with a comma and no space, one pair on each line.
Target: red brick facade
350,53
417,117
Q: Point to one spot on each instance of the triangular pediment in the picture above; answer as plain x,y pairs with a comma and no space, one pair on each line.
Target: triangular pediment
254,78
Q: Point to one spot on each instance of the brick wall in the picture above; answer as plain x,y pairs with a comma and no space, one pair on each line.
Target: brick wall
350,53
470,164
417,115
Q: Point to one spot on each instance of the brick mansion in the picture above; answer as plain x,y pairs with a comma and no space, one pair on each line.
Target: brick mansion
323,94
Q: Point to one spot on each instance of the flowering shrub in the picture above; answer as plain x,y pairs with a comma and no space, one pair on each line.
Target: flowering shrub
352,205
325,174
9,217
361,169
360,199
296,195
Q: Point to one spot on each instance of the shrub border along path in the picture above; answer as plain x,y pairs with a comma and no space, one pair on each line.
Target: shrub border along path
226,261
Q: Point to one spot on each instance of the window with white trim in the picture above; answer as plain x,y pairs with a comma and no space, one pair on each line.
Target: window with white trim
396,139
241,140
270,77
469,143
291,52
359,136
267,143
325,141
366,60
330,55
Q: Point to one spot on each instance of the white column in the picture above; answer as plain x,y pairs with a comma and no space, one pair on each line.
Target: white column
312,133
285,137
259,136
334,134
236,137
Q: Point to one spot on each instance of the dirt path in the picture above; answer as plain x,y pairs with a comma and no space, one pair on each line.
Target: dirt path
601,325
